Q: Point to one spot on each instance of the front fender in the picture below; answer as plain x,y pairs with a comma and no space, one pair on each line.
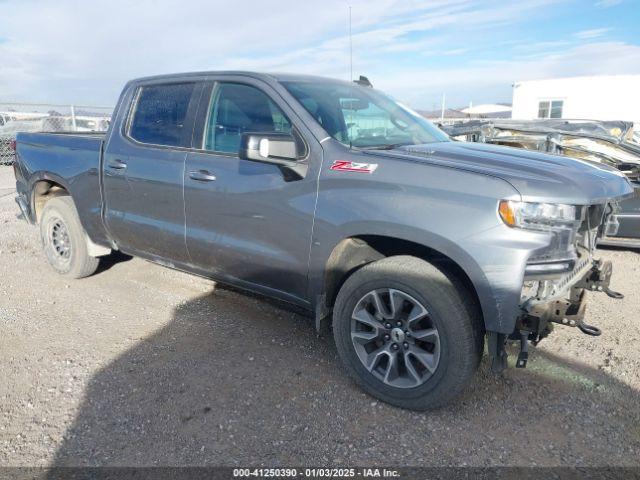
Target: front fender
497,277
451,211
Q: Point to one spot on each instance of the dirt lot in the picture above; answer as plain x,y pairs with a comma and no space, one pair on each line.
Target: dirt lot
141,365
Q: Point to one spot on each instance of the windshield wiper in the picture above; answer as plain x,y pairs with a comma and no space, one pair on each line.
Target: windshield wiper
387,146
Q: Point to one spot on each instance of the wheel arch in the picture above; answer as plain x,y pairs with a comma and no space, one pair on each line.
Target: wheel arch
44,187
355,251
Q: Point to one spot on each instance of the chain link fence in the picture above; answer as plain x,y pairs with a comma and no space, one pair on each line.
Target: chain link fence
32,117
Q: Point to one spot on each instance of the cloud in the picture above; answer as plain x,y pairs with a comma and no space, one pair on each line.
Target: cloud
83,52
490,81
68,48
593,33
608,3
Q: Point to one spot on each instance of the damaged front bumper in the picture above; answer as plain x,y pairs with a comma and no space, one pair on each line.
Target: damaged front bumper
566,307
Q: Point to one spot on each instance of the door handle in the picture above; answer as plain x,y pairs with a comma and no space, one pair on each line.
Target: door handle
116,164
202,176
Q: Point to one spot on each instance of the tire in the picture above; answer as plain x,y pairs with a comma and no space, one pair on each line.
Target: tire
430,367
63,239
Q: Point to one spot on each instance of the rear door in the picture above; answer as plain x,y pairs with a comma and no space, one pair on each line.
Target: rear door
249,222
143,170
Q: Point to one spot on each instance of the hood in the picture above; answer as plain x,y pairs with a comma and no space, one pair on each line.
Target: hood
538,177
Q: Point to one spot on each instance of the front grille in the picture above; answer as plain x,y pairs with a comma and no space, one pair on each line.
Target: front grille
592,226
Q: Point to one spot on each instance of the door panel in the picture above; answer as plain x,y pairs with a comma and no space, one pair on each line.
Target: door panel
252,223
249,224
143,173
144,203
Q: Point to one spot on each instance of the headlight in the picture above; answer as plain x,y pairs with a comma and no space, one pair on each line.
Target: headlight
537,216
560,221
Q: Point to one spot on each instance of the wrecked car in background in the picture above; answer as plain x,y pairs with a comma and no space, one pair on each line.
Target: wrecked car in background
614,143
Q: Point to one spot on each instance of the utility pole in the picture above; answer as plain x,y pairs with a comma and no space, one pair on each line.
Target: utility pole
442,110
73,118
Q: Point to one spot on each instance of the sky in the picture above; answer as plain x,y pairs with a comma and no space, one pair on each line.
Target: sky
82,52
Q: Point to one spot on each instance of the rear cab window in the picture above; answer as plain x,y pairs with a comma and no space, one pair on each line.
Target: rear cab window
160,114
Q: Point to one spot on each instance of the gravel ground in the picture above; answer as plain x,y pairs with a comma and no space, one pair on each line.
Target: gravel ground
141,365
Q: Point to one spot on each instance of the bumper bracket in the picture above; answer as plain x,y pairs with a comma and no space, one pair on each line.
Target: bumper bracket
536,323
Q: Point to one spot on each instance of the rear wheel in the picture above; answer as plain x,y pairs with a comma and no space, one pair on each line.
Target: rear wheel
407,332
63,239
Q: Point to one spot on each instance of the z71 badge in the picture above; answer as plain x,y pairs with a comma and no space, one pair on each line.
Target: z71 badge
346,166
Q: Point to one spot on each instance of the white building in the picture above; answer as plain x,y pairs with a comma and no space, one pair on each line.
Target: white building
606,97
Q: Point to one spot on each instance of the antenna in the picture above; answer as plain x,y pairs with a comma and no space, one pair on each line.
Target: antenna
350,47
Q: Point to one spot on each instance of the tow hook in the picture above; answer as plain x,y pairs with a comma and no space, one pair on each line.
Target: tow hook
613,294
570,313
589,329
598,278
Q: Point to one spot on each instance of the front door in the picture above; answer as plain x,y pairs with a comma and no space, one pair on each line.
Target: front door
246,221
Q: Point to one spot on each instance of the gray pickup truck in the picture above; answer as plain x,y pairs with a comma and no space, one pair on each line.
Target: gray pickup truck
334,197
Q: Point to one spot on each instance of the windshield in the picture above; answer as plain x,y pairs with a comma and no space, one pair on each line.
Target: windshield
363,117
635,133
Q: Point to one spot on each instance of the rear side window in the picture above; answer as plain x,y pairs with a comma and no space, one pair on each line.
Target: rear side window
160,113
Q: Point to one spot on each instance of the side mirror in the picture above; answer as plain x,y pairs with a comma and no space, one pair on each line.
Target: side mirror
278,148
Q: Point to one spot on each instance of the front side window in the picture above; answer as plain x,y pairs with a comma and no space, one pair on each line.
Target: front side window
160,114
362,117
237,108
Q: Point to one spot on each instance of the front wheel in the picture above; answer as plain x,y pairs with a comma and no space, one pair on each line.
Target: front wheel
63,239
407,333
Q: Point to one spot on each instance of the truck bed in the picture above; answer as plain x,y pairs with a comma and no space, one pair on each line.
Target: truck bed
75,159
62,149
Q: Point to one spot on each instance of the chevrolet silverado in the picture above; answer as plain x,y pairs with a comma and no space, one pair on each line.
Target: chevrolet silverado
335,197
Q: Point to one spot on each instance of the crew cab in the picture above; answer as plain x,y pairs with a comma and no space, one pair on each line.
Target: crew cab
333,196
